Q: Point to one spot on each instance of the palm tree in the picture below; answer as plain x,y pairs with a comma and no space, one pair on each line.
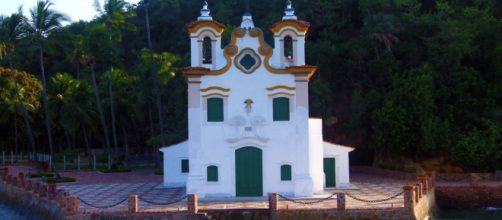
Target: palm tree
114,17
95,49
43,22
153,74
382,29
10,32
70,101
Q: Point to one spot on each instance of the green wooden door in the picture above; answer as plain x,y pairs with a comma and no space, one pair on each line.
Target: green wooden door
248,172
329,172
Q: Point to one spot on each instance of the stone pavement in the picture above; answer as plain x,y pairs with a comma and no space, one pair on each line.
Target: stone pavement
102,195
108,192
113,197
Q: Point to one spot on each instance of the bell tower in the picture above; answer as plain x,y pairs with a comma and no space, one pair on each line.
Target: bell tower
289,39
205,40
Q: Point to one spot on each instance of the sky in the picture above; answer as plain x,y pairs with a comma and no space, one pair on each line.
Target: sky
75,9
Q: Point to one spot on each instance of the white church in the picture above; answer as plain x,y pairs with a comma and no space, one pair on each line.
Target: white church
248,116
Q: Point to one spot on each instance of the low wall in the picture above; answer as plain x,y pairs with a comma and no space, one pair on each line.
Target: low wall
468,197
379,214
426,206
383,172
36,205
450,177
47,201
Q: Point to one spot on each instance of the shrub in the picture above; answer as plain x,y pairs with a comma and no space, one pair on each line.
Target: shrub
116,170
479,150
63,179
38,175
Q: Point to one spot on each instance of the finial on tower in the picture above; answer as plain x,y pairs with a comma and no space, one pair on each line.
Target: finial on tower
247,18
204,13
289,12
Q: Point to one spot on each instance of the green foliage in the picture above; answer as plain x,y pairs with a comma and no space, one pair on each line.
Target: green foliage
63,179
29,91
38,175
480,149
417,78
401,124
116,170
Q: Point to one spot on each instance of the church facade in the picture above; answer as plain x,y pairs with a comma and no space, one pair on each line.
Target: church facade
248,116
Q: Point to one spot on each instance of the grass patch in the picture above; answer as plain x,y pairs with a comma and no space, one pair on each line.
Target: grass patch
116,170
38,175
63,179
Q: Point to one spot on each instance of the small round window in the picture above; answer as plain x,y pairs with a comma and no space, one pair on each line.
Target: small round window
247,61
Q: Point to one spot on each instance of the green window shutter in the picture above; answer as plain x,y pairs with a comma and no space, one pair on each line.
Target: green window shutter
281,109
184,166
212,174
215,109
286,173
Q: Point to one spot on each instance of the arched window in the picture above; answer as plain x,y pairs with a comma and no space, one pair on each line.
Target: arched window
212,174
288,48
215,109
281,109
286,172
207,51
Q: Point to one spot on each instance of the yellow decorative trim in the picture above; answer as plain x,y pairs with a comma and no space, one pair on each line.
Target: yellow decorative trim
200,24
215,88
204,31
281,87
281,93
299,34
251,53
214,94
299,27
265,50
192,77
229,53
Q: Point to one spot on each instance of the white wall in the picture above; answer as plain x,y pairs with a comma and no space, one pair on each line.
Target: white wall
341,155
297,142
316,155
173,177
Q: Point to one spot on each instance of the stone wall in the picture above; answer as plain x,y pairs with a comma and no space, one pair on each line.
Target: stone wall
426,206
450,177
311,214
468,197
46,200
36,205
382,172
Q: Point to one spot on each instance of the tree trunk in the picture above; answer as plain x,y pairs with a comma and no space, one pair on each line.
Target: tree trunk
78,70
126,148
100,110
23,111
155,85
67,137
156,159
46,109
15,131
112,109
112,113
154,78
87,147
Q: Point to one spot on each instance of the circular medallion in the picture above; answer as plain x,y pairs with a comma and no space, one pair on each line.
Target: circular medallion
247,61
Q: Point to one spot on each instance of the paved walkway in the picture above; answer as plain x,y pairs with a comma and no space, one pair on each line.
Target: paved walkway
113,197
151,194
109,193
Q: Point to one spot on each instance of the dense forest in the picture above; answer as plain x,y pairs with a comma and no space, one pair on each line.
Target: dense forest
415,79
